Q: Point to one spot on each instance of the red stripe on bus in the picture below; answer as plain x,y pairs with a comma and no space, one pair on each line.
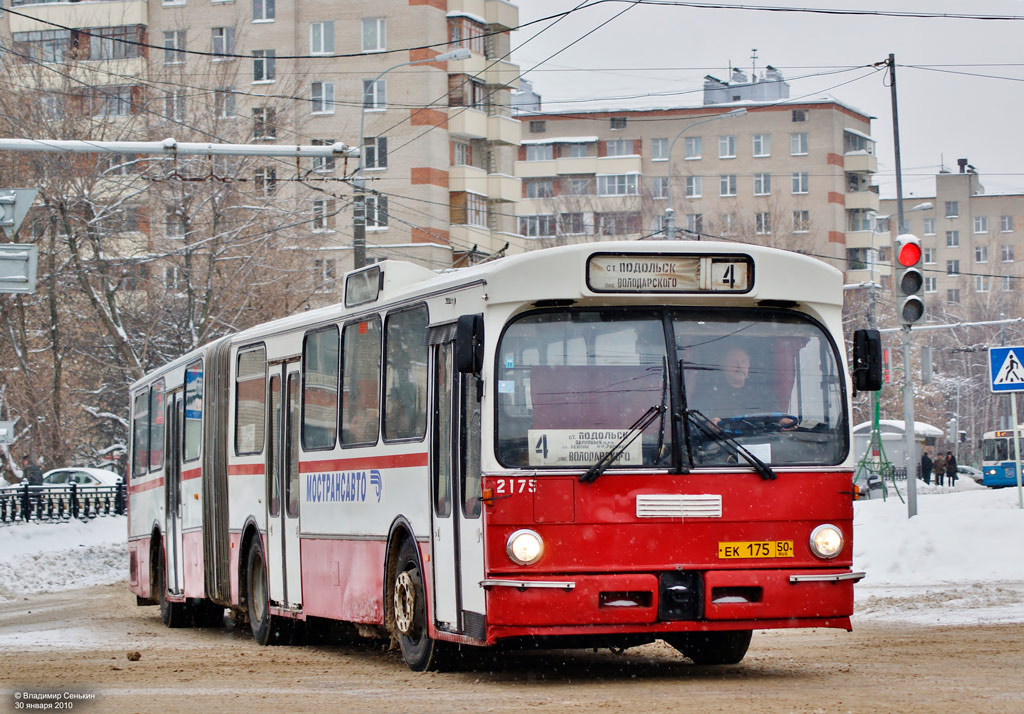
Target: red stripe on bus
393,461
246,470
148,486
192,473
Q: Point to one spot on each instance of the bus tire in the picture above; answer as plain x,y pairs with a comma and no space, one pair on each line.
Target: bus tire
420,652
728,647
267,629
172,614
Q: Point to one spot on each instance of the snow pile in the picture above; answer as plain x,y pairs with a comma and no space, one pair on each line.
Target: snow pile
48,557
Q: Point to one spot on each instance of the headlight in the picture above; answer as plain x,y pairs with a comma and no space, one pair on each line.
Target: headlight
826,541
525,547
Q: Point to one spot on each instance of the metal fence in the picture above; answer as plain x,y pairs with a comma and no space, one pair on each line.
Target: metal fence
24,503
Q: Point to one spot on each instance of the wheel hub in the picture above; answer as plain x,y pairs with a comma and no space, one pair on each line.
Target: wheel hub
405,603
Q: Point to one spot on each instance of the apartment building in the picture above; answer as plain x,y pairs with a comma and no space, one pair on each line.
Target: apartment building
973,245
795,175
438,138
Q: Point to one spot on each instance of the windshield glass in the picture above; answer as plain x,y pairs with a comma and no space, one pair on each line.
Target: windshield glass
571,384
995,449
770,380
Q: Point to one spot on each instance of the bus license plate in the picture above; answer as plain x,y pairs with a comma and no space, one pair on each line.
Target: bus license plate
756,549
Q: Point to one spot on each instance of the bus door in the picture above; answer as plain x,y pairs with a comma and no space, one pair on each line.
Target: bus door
172,492
283,566
456,536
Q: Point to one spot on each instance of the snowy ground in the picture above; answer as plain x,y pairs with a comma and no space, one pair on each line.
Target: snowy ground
957,562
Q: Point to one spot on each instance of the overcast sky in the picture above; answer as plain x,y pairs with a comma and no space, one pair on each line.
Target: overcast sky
967,103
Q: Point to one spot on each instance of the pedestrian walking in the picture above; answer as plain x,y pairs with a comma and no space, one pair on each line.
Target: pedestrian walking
939,468
926,467
31,473
950,469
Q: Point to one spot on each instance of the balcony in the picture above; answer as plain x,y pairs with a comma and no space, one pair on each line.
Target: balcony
536,169
860,162
474,8
863,200
500,13
504,130
491,72
86,14
501,187
619,164
468,123
467,178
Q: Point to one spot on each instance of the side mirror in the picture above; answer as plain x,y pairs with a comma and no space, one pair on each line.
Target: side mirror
867,361
469,344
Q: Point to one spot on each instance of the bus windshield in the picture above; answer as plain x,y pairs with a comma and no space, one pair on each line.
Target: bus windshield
572,383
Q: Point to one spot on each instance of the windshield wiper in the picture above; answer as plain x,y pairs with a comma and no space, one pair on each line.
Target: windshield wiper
645,420
711,430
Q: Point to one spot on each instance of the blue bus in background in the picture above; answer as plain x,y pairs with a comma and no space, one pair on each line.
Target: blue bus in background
998,465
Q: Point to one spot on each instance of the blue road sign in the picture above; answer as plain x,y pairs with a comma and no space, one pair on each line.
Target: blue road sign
1006,369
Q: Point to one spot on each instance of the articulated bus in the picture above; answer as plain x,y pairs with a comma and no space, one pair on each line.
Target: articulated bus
595,445
998,460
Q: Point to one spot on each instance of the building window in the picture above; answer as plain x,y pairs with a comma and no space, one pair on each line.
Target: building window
540,152
929,256
952,239
931,285
174,105
323,164
981,224
476,210
114,101
729,224
326,270
658,225
463,32
572,224
581,186
727,185
617,185
659,149
262,10
577,151
952,267
321,38
45,45
539,188
323,215
1006,253
617,224
694,147
1006,224
953,295
266,180
801,221
929,226
800,183
981,254
174,225
981,283
952,209
174,46
322,98
461,153
223,42
798,144
762,184
618,122
374,94
1007,283
762,223
263,65
538,126
374,34
727,147
659,187
464,91
799,115
375,152
694,187
264,123
376,212
619,147
694,223
762,145
542,226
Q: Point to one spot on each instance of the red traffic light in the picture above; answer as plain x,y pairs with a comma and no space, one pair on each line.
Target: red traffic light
908,250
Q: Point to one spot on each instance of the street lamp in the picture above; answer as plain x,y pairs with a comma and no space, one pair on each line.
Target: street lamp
670,214
359,205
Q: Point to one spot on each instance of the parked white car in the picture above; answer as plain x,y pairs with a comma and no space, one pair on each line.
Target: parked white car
83,476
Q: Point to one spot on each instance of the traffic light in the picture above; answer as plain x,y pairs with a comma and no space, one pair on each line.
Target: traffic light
909,280
951,431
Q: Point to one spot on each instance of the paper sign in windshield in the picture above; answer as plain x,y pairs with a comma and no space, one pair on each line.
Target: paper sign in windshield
581,447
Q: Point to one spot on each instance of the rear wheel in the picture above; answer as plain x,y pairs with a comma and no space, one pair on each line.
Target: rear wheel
419,651
712,647
173,614
267,629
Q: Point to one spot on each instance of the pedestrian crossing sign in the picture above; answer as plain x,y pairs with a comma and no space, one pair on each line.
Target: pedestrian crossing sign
1005,369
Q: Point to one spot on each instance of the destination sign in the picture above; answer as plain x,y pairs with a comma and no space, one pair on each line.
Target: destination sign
648,273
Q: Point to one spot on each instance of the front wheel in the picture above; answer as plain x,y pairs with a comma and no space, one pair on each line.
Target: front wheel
728,647
267,629
420,652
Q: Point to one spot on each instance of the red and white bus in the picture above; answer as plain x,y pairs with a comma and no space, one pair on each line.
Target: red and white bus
591,445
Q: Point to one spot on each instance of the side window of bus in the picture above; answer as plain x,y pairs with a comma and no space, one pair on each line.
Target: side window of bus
360,386
140,434
250,400
405,375
320,389
193,437
156,426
